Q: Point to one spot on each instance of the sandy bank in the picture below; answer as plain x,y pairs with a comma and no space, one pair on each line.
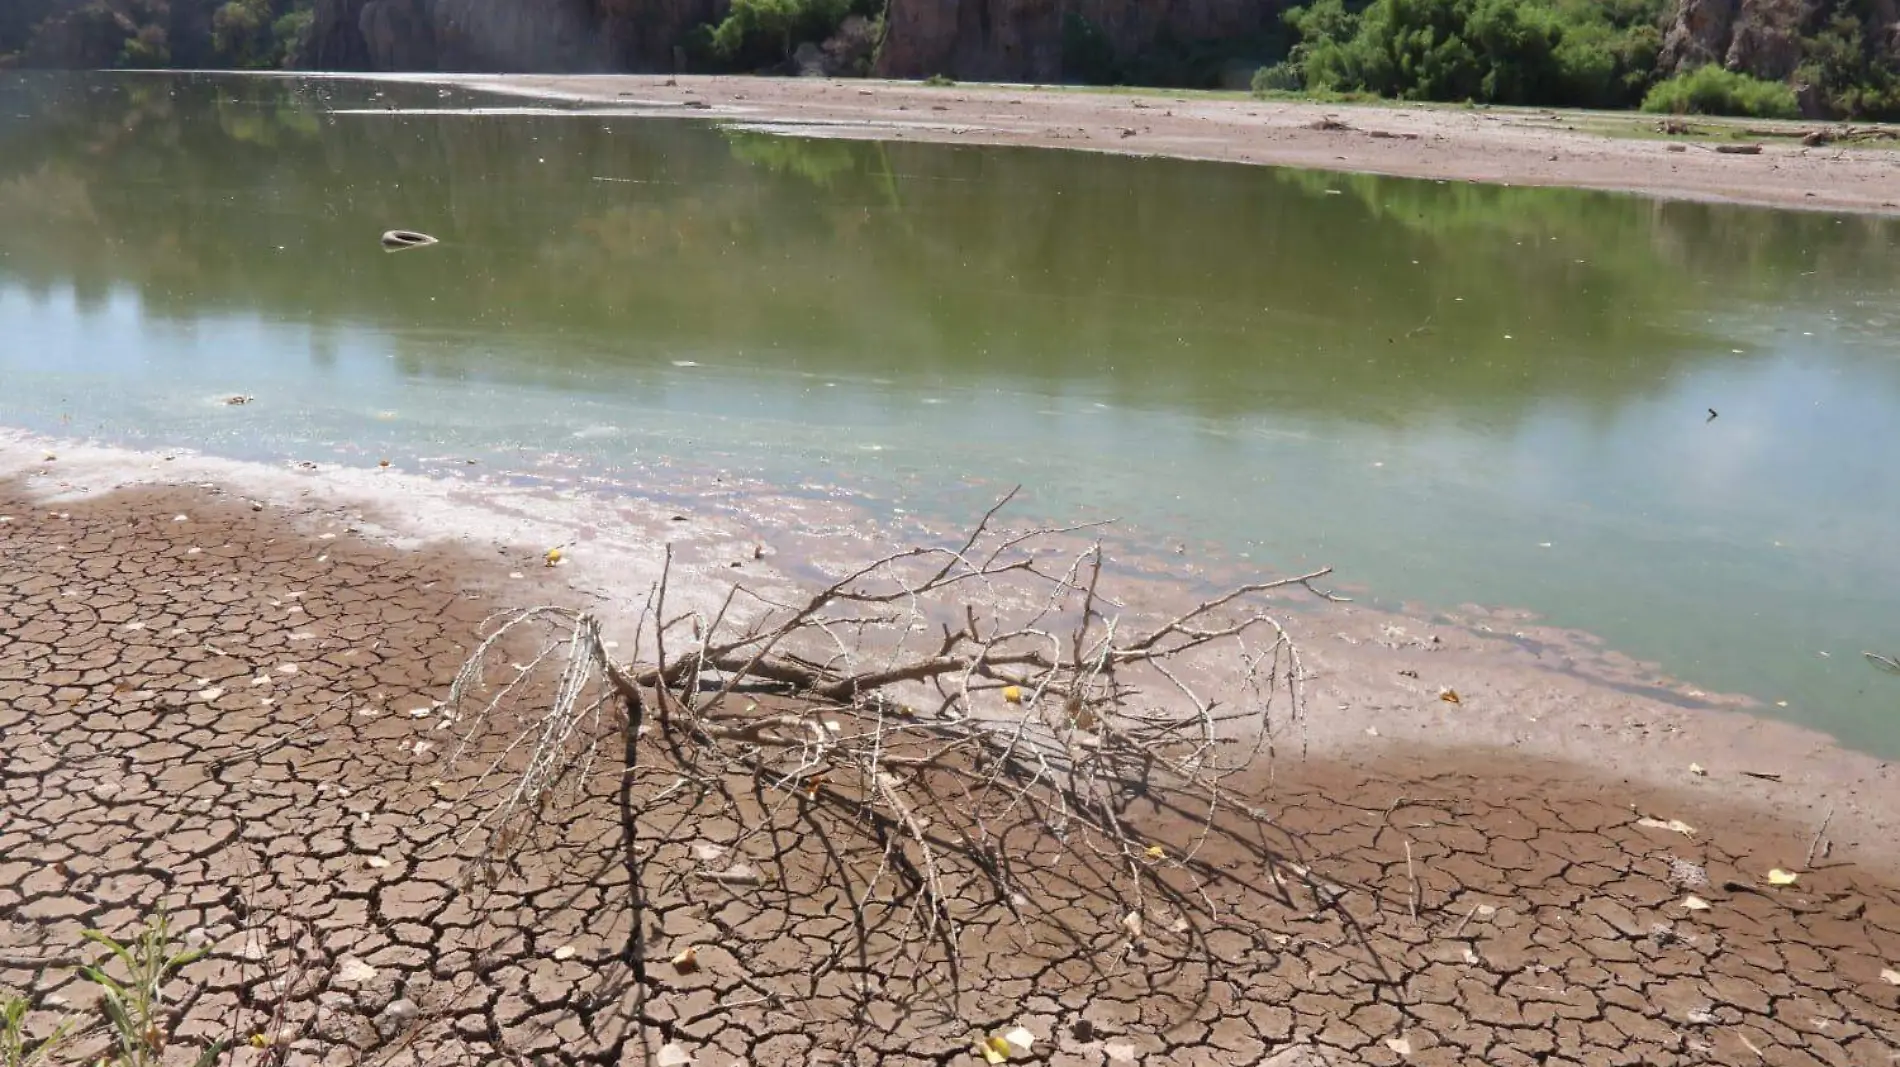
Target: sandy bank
1511,146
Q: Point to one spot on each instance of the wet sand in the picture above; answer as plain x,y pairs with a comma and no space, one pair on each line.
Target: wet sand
1509,146
220,696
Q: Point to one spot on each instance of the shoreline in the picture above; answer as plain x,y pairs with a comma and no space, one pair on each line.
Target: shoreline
1499,146
1375,678
223,696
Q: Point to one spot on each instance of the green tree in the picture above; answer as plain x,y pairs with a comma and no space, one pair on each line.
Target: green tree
758,33
240,33
1592,53
1850,78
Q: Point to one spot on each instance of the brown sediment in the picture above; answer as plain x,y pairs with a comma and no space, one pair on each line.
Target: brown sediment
1466,901
1509,146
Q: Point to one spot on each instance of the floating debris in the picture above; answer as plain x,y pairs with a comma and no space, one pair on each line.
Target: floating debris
401,240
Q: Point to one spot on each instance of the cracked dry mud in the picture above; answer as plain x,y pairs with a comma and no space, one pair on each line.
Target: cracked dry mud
233,715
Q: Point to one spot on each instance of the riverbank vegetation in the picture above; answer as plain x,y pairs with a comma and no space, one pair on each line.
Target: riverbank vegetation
227,34
1841,61
1569,53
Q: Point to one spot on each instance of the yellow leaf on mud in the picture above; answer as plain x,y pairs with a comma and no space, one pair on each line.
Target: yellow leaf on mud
1155,852
687,961
992,1049
554,557
1013,694
1781,877
1450,696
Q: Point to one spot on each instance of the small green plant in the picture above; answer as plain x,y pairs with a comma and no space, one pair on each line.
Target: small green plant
17,1049
1714,90
939,81
135,1007
1285,76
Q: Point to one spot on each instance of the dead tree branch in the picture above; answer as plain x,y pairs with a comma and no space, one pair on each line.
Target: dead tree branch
958,740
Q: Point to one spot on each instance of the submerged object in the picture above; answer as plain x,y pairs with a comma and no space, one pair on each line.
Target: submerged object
398,240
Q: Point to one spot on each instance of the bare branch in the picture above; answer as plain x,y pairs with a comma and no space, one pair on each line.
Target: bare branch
947,730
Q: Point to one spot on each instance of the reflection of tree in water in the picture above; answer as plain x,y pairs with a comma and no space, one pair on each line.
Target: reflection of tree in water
815,160
1224,288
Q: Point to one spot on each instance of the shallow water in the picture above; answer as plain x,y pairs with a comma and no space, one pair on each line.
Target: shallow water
1454,393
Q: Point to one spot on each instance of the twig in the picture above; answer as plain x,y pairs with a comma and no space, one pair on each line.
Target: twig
1464,922
1411,896
8,959
633,951
1816,843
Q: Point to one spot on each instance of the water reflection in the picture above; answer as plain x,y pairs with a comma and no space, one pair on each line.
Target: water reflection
1455,392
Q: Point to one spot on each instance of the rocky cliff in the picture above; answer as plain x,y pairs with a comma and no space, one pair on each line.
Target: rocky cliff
502,35
1765,37
998,40
1026,40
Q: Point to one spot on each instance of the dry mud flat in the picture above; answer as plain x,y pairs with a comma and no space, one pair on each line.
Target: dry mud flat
1509,146
230,711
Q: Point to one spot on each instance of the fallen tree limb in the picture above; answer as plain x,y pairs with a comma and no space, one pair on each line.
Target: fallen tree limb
973,714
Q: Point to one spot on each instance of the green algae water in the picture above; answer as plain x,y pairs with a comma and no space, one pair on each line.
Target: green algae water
1674,426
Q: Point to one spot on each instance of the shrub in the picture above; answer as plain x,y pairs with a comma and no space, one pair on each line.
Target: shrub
852,48
1714,90
1283,77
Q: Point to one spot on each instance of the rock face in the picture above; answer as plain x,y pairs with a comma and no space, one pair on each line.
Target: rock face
1760,37
1763,37
502,35
518,35
1022,40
